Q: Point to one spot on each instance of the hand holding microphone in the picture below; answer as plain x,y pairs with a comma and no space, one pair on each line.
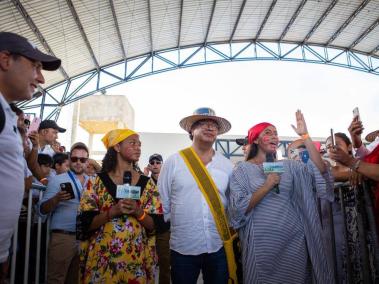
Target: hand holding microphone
272,169
272,181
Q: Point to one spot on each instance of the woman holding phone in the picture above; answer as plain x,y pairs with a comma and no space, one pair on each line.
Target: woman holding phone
118,244
276,215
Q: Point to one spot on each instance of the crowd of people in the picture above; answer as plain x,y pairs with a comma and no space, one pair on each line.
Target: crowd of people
113,222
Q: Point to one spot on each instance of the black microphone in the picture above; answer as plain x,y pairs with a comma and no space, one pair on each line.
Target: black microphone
127,178
270,158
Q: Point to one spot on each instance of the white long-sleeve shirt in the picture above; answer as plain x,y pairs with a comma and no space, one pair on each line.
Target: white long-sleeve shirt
193,229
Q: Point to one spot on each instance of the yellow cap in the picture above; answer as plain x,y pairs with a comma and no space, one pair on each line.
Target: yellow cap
115,136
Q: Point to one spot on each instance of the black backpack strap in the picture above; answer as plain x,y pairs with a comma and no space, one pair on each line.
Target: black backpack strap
142,182
2,118
109,185
112,188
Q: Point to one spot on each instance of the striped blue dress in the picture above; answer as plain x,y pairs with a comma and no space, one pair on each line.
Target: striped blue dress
281,237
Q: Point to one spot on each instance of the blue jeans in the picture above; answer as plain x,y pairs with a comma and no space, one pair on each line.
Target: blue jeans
185,269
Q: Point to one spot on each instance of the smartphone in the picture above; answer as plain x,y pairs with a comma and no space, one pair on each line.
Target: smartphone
332,137
356,113
67,187
34,125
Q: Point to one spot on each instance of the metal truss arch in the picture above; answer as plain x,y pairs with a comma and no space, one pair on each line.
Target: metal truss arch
47,103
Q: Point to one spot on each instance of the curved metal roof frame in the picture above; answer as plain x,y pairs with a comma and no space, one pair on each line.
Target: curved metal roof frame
92,36
51,100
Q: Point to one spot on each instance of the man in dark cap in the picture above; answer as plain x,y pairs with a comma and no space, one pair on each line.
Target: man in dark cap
245,146
42,143
154,166
48,134
20,74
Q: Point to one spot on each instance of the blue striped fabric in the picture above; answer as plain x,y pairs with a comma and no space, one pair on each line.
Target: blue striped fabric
281,237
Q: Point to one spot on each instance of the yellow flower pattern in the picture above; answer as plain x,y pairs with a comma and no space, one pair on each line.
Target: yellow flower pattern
120,251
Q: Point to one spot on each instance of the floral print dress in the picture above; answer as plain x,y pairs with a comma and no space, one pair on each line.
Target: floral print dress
120,251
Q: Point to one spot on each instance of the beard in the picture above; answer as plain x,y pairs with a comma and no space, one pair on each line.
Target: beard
77,171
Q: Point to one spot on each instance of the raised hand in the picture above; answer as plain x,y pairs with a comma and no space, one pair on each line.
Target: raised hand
356,127
34,138
355,130
301,126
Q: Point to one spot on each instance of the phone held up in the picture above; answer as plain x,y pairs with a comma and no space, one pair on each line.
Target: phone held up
356,114
34,125
67,187
333,138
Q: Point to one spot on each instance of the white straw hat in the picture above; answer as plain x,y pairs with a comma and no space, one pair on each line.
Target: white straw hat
202,114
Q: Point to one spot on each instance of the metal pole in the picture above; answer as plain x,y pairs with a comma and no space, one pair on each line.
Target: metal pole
38,253
14,254
47,246
27,242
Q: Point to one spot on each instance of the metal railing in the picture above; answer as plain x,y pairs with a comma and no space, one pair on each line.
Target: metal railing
29,224
366,252
366,226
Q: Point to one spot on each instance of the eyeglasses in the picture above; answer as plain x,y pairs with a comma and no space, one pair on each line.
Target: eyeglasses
155,162
76,159
208,125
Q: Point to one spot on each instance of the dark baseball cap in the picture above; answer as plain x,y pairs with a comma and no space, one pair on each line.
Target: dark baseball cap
156,157
45,124
242,141
17,44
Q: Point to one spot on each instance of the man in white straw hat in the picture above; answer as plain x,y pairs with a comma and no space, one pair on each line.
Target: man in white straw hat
195,242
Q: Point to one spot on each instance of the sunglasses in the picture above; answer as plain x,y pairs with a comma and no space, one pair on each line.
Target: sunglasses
155,162
75,159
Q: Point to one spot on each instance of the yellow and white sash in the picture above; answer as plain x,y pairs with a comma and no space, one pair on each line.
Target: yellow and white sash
210,192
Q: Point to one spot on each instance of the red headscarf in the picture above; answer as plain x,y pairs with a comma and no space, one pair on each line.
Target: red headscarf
256,130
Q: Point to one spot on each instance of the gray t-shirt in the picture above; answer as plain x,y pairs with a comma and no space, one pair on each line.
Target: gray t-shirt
11,178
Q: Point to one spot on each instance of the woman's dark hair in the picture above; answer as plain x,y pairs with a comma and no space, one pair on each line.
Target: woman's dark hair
344,137
44,159
253,151
110,162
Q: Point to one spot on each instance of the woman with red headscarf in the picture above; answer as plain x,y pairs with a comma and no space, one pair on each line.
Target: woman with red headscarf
276,215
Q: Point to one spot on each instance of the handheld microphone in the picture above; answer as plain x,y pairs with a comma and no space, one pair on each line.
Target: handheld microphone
270,158
127,178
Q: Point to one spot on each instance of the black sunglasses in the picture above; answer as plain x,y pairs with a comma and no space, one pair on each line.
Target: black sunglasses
155,162
75,159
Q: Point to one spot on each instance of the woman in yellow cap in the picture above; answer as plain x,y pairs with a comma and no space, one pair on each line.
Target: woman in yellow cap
117,245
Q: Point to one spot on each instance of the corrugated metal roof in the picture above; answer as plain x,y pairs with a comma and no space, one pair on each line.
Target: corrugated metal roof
89,35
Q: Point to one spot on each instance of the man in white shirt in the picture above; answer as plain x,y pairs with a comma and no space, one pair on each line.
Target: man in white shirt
20,74
195,242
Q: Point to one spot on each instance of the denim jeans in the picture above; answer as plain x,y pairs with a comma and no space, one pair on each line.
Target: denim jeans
185,269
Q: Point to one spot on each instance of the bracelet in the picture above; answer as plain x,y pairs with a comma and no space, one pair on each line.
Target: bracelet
142,217
355,165
305,136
